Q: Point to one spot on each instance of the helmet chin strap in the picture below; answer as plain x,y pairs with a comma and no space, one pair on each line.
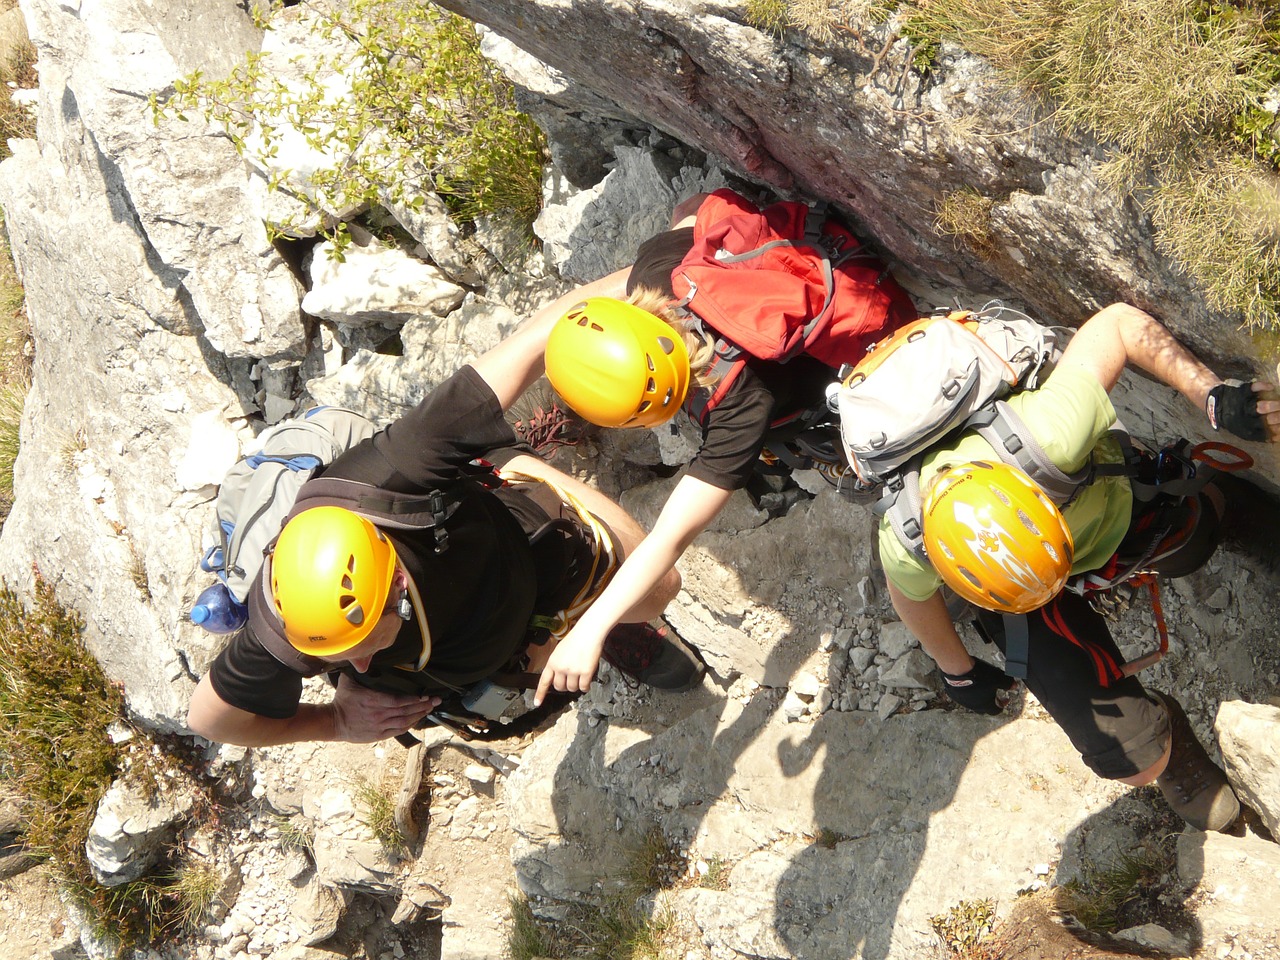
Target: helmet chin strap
409,596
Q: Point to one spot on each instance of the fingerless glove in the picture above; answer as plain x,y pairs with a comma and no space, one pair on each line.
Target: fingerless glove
977,690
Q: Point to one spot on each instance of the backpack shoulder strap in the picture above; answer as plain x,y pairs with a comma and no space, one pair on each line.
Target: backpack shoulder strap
902,505
1013,441
396,511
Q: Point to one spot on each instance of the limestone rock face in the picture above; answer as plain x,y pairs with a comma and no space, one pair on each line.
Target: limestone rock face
849,121
131,829
1249,735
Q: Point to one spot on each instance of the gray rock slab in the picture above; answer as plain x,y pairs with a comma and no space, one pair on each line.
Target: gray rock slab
900,803
1249,738
1238,878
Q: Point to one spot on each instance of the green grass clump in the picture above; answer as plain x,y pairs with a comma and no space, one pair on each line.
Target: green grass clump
377,804
20,69
770,16
1101,896
57,759
55,706
626,925
965,215
1221,219
15,367
426,112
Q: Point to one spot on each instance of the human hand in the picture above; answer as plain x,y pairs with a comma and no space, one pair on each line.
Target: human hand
572,664
1250,411
362,715
979,689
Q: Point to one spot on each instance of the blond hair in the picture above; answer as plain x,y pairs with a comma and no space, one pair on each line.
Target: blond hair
700,346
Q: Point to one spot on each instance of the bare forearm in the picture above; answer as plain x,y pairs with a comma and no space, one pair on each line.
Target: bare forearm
1121,334
512,366
931,624
215,720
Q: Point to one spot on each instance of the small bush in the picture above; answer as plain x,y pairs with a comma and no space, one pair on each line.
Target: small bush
426,111
965,927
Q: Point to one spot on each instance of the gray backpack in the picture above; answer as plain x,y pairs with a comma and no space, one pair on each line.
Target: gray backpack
936,377
259,490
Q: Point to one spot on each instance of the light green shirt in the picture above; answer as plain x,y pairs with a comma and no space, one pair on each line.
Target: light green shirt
1070,416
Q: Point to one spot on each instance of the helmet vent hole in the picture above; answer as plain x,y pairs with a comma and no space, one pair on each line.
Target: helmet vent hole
1002,496
346,600
667,399
667,344
1028,523
644,405
651,386
649,360
597,328
351,564
971,577
347,583
1050,550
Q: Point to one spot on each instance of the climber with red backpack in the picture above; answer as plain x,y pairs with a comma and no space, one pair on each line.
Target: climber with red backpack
1029,510
739,315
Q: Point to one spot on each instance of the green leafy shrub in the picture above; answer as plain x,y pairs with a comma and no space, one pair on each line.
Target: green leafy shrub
425,112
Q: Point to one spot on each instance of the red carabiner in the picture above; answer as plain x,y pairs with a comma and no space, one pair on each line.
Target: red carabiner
1231,460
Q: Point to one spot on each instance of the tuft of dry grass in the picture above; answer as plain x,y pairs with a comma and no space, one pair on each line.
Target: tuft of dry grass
965,215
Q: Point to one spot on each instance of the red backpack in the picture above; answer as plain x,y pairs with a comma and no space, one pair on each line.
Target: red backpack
778,282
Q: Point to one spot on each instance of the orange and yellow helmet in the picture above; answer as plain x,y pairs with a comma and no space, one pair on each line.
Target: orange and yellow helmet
995,538
331,574
617,365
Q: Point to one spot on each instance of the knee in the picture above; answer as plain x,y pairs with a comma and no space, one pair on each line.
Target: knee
668,587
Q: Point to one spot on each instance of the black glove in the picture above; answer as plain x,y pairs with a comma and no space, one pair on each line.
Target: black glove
1233,406
977,689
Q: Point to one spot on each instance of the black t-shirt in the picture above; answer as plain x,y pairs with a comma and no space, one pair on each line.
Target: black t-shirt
764,391
479,594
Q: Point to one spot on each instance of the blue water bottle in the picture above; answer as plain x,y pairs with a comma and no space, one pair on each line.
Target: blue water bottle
218,611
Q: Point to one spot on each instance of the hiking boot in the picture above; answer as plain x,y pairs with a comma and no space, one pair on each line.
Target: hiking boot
653,655
1194,786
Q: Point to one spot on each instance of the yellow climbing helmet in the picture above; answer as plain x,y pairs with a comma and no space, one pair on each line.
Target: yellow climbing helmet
995,538
617,365
331,573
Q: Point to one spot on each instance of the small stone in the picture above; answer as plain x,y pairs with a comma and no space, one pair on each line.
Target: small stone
479,773
793,708
806,685
888,704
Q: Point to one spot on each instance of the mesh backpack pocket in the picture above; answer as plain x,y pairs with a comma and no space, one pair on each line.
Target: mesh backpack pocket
259,490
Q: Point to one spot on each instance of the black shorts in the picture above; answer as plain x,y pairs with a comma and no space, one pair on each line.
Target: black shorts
1119,730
